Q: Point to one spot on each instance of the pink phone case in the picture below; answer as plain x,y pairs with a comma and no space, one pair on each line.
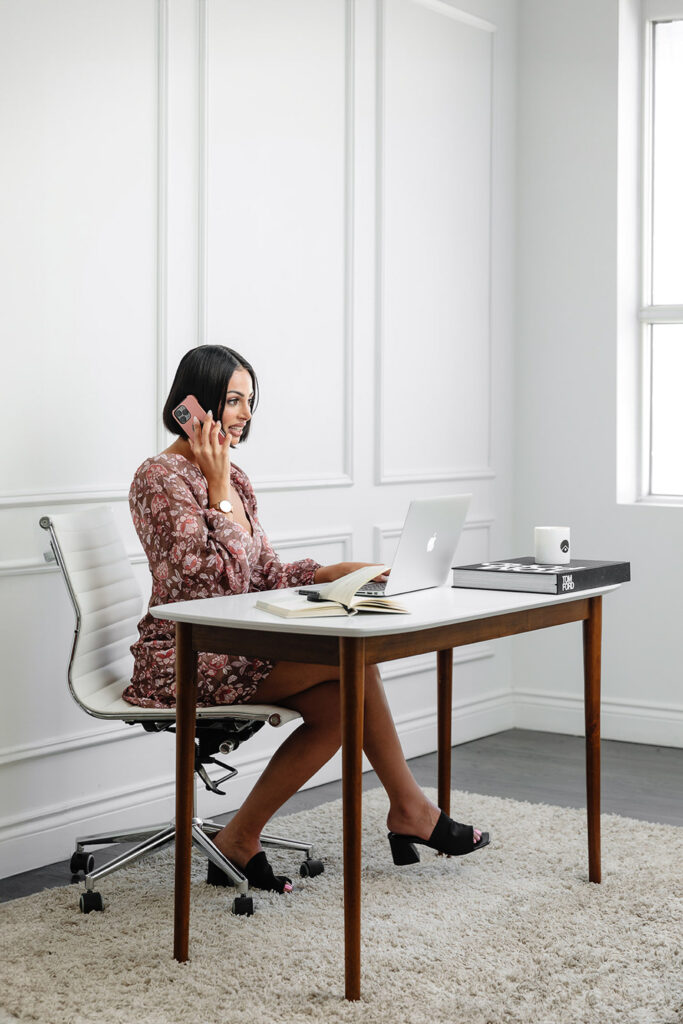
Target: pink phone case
184,413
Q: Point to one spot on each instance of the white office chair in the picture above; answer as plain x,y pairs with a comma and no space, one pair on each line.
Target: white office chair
108,605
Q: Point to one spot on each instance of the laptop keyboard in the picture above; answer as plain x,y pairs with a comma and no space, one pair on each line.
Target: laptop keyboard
372,590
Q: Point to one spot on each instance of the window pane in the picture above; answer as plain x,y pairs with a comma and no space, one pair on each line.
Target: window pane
667,409
667,176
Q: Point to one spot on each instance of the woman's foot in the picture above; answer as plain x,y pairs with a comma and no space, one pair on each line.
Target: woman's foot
448,836
237,847
248,856
418,820
257,871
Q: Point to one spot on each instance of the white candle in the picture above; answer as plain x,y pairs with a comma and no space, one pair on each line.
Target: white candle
552,545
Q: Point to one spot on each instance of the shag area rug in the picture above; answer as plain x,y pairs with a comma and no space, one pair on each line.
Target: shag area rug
514,933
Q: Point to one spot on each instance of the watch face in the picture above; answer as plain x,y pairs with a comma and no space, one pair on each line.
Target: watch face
225,506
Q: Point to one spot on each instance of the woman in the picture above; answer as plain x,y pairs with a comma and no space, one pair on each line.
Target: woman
196,516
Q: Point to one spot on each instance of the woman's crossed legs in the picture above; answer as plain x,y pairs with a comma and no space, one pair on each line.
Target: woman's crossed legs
313,691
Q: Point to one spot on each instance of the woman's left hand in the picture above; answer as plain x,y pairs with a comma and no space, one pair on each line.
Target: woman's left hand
328,573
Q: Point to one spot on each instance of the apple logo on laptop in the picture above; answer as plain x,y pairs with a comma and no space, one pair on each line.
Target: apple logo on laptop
431,542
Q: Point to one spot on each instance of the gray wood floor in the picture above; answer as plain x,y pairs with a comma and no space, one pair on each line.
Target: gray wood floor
638,781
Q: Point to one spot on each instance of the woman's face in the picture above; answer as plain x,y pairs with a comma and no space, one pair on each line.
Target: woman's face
237,409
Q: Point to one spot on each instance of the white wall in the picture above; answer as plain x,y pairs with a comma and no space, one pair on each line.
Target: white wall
327,185
577,303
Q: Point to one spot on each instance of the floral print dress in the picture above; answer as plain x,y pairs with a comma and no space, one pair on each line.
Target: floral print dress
195,551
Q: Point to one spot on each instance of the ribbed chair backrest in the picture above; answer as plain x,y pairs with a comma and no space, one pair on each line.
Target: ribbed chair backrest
108,606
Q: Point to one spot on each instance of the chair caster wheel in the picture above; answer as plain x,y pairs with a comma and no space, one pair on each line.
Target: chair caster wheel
310,868
243,905
91,901
81,861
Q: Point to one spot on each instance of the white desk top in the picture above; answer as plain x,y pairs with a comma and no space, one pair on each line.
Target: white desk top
428,608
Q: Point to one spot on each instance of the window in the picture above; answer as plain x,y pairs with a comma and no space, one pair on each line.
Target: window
661,312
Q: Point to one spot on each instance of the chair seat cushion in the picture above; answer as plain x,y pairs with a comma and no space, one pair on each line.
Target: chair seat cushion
107,704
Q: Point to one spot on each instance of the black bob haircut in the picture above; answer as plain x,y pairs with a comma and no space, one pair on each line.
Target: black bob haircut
205,372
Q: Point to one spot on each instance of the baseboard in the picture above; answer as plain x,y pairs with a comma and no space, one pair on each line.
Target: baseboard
630,721
46,835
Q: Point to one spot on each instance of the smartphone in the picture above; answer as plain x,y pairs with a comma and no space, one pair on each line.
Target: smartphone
184,412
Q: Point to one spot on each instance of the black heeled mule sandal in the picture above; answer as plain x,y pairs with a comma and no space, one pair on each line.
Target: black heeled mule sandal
449,837
257,872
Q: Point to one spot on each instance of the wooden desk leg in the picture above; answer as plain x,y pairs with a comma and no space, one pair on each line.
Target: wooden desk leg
186,713
444,682
592,643
352,683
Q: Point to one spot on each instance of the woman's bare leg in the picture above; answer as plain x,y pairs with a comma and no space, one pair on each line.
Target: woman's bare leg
305,750
409,809
310,690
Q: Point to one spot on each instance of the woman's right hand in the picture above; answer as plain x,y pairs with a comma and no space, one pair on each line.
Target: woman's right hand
212,457
329,573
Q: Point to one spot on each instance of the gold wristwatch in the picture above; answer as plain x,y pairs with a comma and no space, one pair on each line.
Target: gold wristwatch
223,506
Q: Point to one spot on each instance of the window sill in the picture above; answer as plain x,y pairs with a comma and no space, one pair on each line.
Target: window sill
658,500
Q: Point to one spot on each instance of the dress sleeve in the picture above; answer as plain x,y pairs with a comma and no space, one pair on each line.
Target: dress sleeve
270,573
189,548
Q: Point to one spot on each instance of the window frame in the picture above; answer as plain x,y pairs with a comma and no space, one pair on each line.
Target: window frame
650,314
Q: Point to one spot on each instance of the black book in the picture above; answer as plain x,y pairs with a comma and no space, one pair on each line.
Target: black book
525,575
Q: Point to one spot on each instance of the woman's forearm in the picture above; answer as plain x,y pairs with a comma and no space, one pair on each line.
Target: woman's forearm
328,573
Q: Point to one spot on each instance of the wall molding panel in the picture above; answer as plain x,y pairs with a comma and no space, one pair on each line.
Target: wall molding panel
427,662
73,496
389,13
481,473
264,484
33,566
349,235
471,719
449,11
202,166
208,331
345,538
161,337
91,492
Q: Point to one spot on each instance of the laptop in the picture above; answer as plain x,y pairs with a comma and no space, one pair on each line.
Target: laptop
426,547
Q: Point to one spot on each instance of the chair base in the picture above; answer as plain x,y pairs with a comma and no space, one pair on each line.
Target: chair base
149,840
